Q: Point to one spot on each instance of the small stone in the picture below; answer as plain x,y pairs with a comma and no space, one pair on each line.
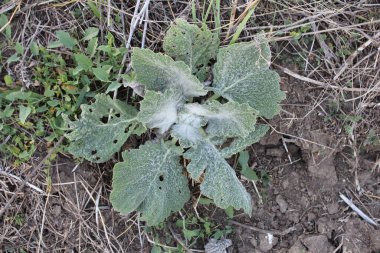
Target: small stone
297,248
285,183
294,217
276,152
333,208
253,242
311,217
267,242
282,203
318,244
304,201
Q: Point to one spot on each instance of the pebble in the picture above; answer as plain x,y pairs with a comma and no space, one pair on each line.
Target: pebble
267,242
282,203
333,208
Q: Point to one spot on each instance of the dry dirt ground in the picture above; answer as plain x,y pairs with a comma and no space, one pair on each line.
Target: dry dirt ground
313,154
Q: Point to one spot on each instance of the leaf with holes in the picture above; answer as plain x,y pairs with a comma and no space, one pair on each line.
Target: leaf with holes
241,74
220,182
159,72
96,136
210,127
150,181
159,110
229,120
192,45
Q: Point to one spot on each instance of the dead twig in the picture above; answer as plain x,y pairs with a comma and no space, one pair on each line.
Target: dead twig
357,210
351,58
324,85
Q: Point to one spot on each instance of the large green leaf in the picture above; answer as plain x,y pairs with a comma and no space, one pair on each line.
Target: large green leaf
228,120
195,46
96,136
239,144
220,182
150,181
241,74
159,72
159,110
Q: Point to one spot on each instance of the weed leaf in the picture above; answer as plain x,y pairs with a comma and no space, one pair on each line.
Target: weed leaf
241,74
239,144
90,33
220,182
96,136
83,61
193,45
159,110
188,128
101,73
150,181
66,39
24,112
229,120
159,72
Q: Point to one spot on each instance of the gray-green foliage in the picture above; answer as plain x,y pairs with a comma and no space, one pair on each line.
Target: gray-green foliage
193,45
103,128
151,179
242,74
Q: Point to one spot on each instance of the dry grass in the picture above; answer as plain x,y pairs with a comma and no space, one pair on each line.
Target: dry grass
337,57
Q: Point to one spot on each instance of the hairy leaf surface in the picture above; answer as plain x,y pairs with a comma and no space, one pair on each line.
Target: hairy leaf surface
193,45
150,181
239,144
159,72
228,120
96,138
188,128
220,182
159,110
241,74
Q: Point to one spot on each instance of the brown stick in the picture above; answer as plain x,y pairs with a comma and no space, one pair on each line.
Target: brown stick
351,58
324,85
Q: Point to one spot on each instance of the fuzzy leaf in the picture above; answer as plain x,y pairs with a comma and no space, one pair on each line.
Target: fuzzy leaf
240,144
159,110
188,128
96,138
241,74
150,181
228,120
192,45
159,72
220,182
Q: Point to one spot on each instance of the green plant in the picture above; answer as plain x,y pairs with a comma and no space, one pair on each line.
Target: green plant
190,123
59,84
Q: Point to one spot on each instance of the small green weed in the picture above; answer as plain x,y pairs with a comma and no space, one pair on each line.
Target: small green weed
60,81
